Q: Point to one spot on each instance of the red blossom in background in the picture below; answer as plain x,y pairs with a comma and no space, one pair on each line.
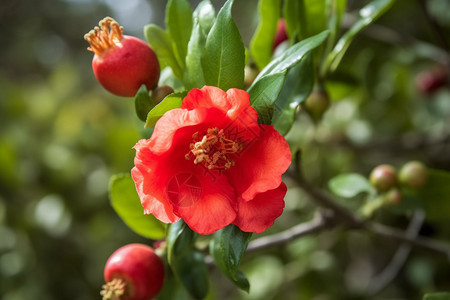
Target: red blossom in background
211,164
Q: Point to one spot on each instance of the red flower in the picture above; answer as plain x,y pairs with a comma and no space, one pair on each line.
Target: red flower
211,164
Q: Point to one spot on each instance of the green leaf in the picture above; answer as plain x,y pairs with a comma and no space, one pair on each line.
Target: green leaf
435,195
297,87
179,239
263,94
437,296
126,203
295,17
261,45
268,84
293,55
170,102
349,185
224,59
367,15
187,264
162,44
143,103
193,75
179,27
206,15
227,248
190,268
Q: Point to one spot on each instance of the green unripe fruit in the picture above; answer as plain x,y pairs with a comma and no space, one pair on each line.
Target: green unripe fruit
414,175
393,196
317,104
383,177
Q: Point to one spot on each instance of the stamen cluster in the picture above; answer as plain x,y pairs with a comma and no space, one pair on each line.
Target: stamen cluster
213,149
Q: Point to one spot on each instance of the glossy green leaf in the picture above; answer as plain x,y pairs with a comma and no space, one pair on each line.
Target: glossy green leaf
261,45
435,195
193,75
297,87
294,15
206,15
367,15
170,102
268,84
227,248
263,94
349,185
126,203
179,239
293,55
179,27
187,264
143,103
224,58
191,270
162,44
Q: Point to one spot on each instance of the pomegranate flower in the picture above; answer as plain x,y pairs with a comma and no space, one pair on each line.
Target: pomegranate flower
210,163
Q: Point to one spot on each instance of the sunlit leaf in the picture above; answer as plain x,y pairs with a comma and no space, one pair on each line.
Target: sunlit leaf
206,15
268,84
193,75
126,203
170,102
227,248
297,87
179,27
261,45
162,44
367,15
224,58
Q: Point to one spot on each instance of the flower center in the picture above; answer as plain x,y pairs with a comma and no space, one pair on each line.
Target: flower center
104,37
213,149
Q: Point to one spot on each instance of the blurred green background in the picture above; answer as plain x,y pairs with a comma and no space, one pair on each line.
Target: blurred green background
62,137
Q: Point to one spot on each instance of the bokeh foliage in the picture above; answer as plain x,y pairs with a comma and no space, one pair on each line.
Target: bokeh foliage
62,137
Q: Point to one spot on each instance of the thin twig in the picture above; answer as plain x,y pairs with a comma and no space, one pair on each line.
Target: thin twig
318,223
388,274
427,244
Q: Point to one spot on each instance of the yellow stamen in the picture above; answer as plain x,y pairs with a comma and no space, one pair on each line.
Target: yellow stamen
104,37
213,149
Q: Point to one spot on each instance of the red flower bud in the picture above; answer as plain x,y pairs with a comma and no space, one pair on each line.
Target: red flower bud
383,177
281,34
413,174
429,81
133,272
121,63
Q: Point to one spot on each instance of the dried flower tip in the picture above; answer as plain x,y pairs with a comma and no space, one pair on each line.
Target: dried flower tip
104,37
113,290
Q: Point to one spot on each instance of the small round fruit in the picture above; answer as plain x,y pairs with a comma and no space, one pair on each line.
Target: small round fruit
317,104
383,177
133,272
413,174
121,63
393,196
429,81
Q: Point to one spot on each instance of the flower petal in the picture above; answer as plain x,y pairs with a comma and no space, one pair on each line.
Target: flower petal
209,208
260,165
153,203
260,213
